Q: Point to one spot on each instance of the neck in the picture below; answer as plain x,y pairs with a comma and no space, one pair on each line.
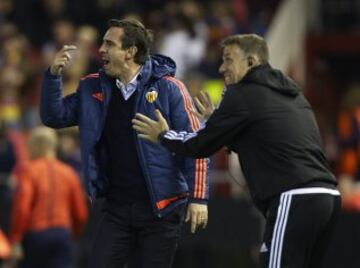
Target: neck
50,155
256,64
129,73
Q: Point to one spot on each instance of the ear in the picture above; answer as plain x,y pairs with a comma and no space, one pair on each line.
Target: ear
131,52
251,61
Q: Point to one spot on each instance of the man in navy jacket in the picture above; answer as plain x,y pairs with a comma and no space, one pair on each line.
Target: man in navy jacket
146,187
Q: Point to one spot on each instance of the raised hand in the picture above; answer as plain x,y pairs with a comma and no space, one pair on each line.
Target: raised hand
62,58
149,129
204,106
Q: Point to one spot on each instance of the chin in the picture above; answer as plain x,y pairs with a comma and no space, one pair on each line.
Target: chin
227,82
230,83
108,73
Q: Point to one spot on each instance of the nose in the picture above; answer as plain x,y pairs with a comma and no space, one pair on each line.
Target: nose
102,49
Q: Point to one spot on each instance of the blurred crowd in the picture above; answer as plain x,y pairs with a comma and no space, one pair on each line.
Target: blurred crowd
31,31
189,31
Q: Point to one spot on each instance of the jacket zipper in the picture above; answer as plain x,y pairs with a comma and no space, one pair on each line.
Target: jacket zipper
137,145
142,162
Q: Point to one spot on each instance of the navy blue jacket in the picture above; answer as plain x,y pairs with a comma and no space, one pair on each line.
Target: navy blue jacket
170,179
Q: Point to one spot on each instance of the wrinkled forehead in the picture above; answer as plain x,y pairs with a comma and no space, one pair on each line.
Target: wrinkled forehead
114,34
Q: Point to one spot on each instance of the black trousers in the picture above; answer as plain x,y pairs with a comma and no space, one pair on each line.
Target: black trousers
132,228
299,226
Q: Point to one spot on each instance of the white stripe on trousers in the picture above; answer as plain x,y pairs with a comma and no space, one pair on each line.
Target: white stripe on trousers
282,217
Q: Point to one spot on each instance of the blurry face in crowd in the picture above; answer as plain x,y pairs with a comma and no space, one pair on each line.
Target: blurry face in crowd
115,58
235,64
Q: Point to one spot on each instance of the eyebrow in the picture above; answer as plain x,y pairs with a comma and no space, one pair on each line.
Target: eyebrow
109,41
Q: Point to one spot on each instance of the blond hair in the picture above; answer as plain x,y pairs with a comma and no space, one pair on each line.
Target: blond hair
42,140
250,44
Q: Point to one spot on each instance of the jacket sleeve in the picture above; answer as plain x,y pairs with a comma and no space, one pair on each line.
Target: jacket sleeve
56,111
182,119
224,124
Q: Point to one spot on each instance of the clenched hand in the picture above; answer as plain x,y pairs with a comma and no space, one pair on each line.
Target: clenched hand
62,58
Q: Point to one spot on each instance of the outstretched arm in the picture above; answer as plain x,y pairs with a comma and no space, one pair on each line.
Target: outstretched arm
182,142
224,124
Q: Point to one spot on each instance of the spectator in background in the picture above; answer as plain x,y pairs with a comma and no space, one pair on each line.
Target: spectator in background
146,188
87,42
69,149
348,166
87,59
268,123
7,163
14,73
185,40
38,23
63,32
49,207
11,80
12,153
17,74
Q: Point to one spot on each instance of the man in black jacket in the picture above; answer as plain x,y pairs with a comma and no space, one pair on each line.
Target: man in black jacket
265,119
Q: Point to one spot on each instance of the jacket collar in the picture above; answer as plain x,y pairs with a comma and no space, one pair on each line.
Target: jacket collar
143,78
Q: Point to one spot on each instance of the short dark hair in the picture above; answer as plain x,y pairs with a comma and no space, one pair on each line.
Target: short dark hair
135,34
249,44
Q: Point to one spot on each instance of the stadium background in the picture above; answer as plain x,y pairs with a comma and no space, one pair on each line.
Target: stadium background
317,42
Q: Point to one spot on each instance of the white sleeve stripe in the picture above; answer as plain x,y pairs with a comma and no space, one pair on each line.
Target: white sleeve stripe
183,135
